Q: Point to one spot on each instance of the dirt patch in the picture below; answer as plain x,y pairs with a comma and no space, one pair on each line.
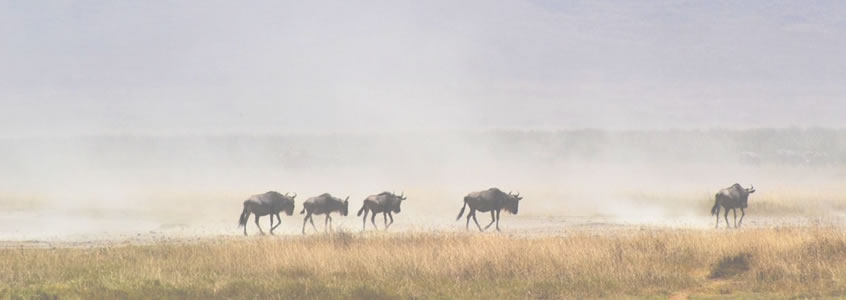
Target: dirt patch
679,296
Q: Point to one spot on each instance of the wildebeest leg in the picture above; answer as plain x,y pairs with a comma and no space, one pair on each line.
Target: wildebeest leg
734,211
311,220
259,226
306,220
390,215
728,225
278,221
385,218
373,220
493,219
364,220
473,212
497,220
469,215
742,214
326,224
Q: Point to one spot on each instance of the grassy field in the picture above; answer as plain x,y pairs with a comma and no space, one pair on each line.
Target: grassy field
620,263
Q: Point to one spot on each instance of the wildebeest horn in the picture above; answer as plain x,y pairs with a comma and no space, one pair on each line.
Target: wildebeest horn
402,195
517,195
294,196
347,199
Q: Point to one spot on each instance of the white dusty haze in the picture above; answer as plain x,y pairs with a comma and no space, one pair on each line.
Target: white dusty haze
127,118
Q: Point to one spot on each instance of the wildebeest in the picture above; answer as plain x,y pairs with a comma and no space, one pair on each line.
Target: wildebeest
731,198
270,203
493,200
385,203
324,204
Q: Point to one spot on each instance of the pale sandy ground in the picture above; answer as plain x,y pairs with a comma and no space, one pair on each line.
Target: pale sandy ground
53,229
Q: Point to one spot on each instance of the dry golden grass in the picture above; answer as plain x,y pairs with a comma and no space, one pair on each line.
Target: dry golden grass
755,263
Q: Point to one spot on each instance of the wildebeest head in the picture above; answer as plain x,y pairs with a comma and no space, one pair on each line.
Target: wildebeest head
397,202
745,200
345,207
512,202
290,210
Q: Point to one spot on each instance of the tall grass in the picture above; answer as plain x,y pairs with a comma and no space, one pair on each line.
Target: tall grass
766,262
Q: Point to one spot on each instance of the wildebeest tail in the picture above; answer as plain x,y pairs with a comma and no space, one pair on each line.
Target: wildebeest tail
245,214
360,211
461,213
716,209
303,211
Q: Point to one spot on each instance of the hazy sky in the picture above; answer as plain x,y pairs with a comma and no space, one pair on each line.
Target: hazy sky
71,67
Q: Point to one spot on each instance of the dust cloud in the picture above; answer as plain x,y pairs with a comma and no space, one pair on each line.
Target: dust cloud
155,119
129,184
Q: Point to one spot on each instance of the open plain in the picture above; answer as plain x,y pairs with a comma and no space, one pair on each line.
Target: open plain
604,215
534,258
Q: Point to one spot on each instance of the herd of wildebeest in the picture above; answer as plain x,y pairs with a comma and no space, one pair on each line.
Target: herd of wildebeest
492,200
